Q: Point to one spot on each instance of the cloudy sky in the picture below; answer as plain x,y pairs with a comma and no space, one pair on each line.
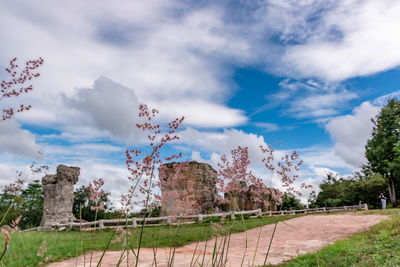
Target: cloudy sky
296,75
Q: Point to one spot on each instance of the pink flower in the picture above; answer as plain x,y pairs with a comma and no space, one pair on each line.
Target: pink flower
142,167
14,224
6,236
96,193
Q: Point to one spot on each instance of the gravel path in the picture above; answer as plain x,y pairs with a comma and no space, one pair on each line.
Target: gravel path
293,237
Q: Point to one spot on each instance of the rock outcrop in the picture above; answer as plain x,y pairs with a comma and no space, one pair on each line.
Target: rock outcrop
204,193
58,195
249,201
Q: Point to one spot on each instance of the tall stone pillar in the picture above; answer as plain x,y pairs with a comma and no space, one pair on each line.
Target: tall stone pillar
58,195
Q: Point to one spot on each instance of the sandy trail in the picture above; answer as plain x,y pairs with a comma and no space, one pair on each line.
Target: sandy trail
296,236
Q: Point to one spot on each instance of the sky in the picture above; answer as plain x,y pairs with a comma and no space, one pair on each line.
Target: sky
296,75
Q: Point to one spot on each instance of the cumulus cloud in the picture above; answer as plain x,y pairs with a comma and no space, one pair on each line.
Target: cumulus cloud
351,133
199,113
224,142
17,141
179,53
110,107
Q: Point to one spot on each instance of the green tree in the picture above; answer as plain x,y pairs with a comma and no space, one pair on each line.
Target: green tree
383,149
290,202
82,199
28,203
337,191
32,205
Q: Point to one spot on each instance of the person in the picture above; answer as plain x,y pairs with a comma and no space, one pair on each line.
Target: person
383,200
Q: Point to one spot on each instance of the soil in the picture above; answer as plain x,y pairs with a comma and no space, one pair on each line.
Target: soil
293,237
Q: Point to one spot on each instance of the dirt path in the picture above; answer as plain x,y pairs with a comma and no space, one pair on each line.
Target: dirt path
296,236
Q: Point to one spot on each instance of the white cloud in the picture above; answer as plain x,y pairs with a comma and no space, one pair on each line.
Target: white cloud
179,53
322,156
323,172
320,105
267,126
351,133
110,107
199,113
310,98
347,39
224,142
17,141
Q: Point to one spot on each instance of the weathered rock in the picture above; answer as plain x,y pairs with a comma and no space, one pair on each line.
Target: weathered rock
58,195
246,200
204,192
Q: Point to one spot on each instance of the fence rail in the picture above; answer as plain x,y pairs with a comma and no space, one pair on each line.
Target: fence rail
133,222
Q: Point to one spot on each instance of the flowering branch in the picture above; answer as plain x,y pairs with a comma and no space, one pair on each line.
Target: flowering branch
15,85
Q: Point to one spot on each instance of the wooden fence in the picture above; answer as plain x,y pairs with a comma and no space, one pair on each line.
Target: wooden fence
190,219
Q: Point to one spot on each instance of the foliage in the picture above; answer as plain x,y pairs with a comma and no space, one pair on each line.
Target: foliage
27,202
383,149
340,191
290,202
82,197
32,205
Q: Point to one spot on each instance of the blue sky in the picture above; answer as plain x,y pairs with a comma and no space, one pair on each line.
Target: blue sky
298,75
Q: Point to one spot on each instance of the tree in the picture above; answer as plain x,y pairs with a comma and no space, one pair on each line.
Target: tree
290,202
82,199
32,205
26,202
349,191
383,149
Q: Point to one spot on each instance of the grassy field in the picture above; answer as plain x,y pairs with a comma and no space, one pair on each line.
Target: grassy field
380,246
25,247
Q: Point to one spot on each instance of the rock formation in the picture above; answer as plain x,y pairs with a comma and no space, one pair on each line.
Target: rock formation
248,201
58,195
204,193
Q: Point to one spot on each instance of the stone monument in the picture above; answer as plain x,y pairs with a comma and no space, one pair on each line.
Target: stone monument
58,195
203,177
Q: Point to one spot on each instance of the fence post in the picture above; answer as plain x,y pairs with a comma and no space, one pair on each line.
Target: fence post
345,207
200,217
324,209
259,213
101,224
293,212
134,222
270,213
169,220
232,215
305,211
365,206
70,225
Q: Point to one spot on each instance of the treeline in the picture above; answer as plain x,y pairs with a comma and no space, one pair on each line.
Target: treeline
380,175
28,203
339,191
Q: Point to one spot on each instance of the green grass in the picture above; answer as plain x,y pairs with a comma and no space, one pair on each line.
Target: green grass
24,246
379,246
